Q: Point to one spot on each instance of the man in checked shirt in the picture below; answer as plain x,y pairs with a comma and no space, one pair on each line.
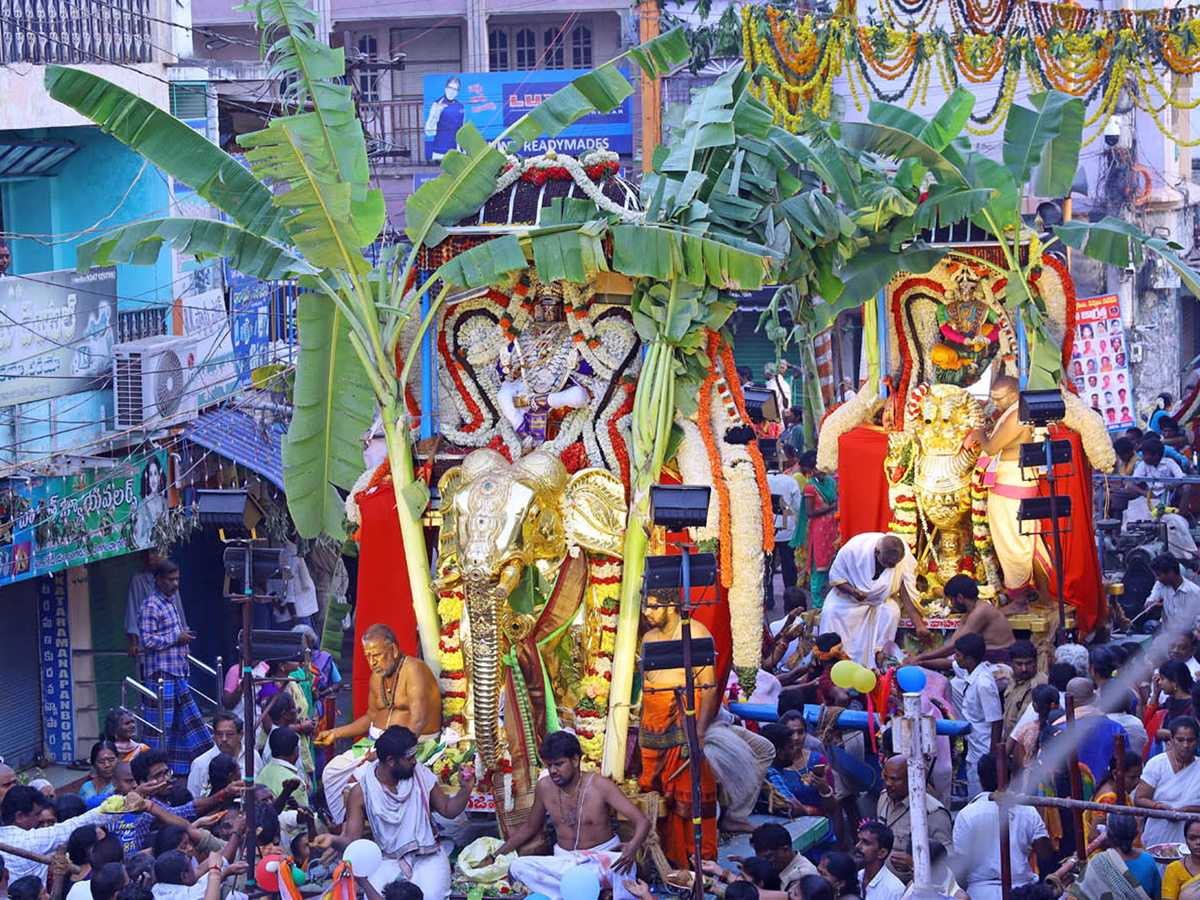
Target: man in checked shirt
165,656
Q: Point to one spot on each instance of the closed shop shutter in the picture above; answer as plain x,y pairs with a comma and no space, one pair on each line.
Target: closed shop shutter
20,701
752,348
108,586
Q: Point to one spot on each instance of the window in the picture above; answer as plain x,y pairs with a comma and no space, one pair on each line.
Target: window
497,50
430,52
553,56
581,47
526,44
368,78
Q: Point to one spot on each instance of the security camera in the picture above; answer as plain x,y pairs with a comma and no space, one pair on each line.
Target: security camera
1130,272
1112,131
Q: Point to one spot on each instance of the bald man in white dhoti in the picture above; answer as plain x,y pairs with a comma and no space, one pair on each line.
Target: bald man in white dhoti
872,580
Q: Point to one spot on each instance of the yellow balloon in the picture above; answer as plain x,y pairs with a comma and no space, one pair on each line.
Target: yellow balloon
864,680
842,673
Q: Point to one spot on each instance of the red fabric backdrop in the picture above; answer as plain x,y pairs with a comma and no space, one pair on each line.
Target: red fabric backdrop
1083,587
714,616
862,488
383,591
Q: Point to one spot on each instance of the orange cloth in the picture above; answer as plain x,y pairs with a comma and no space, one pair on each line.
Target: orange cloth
1083,587
383,592
863,499
665,769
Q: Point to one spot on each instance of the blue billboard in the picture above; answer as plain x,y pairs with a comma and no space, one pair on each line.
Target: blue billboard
491,101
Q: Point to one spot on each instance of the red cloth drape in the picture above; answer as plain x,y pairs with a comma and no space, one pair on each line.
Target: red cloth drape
862,486
1083,586
383,593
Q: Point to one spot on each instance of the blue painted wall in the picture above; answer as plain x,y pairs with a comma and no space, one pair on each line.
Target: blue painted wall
83,190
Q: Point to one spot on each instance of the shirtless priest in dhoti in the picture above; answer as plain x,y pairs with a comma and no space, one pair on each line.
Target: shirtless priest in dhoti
582,805
403,692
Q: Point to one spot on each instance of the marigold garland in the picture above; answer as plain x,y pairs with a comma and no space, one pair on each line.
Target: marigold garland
1086,53
760,468
704,420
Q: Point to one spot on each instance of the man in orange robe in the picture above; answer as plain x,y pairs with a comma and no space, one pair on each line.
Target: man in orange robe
663,742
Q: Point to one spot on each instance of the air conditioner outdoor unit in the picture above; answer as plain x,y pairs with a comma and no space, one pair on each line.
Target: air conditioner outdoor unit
152,381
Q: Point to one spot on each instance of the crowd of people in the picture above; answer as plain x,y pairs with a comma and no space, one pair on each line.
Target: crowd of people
1112,723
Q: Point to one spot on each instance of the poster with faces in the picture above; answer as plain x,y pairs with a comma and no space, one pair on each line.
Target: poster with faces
1099,366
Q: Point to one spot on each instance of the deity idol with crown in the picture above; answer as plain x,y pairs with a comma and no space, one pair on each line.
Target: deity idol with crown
539,368
969,333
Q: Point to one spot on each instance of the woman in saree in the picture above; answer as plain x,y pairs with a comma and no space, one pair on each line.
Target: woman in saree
1095,823
816,526
1170,698
804,782
1183,872
1122,872
120,727
1171,780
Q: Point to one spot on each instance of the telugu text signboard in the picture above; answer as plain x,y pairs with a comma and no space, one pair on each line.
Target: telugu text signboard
491,101
58,694
52,522
56,333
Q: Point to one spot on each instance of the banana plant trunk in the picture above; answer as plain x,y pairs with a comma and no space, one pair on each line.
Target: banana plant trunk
654,411
416,555
814,403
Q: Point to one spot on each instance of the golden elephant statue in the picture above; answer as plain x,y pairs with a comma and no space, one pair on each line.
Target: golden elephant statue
510,541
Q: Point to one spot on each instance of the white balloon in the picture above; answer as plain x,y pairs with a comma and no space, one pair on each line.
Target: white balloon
364,857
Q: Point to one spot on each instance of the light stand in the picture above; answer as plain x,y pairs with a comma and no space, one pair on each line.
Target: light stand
245,568
1038,409
676,508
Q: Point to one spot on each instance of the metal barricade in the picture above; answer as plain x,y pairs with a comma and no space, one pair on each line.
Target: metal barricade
146,694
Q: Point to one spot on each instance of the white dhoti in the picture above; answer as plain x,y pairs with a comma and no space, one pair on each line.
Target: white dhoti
340,771
740,760
402,825
430,872
543,874
866,625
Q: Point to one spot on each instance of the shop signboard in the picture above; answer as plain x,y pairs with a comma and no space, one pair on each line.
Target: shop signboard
50,523
491,101
207,322
250,324
54,659
1099,365
56,333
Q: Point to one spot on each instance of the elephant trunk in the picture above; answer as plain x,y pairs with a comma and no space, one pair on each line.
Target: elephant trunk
485,669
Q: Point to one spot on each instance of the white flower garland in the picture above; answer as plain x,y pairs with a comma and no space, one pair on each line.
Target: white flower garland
746,535
694,468
577,170
845,418
1093,433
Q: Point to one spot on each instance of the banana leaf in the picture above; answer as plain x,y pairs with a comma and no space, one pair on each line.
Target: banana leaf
333,405
1047,137
321,216
141,243
1116,242
168,143
897,144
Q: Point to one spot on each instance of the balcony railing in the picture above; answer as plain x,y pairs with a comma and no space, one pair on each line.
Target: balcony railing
396,131
76,31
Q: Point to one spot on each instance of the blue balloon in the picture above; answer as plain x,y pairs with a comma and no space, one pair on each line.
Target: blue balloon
911,679
537,897
580,883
